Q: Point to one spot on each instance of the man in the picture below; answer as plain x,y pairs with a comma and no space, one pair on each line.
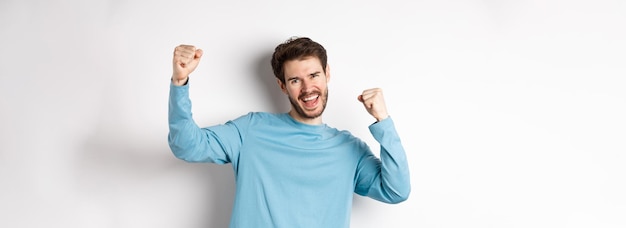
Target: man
291,169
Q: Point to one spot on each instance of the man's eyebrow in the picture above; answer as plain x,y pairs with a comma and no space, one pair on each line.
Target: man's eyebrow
311,74
314,73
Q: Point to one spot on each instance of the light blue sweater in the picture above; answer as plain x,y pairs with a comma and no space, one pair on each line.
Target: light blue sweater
290,174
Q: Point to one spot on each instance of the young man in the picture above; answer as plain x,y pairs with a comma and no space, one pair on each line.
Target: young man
291,169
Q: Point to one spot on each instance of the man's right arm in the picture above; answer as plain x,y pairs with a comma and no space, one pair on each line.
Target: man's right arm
186,140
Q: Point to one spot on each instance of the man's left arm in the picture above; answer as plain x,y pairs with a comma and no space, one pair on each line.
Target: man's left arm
386,179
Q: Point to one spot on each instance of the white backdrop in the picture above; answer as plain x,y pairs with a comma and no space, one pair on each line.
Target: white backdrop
511,112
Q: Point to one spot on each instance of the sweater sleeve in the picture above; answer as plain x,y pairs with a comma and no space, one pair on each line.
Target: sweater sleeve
216,144
386,179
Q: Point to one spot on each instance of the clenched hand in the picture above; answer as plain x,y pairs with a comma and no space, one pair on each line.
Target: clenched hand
374,103
186,59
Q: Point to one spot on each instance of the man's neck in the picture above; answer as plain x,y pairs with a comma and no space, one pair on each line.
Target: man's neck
304,120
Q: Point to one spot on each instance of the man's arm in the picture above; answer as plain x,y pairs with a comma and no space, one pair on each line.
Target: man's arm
186,140
386,179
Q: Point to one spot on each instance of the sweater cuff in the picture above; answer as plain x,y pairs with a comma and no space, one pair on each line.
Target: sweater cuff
181,88
377,129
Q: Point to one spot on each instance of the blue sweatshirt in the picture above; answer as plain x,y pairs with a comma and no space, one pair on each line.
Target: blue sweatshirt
290,174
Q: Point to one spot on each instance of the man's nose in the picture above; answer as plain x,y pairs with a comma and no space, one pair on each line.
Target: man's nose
307,86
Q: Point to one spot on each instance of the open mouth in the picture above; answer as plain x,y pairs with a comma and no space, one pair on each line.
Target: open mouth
310,100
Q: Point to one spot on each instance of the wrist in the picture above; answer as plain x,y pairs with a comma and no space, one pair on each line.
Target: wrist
381,118
180,82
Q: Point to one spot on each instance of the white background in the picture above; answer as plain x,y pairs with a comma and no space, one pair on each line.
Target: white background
511,112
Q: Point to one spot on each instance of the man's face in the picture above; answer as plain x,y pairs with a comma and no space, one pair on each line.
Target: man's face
306,86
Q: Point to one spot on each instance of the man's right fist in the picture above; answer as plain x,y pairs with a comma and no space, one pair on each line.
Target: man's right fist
186,59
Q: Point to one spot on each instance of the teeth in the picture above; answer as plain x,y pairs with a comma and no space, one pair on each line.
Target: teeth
310,98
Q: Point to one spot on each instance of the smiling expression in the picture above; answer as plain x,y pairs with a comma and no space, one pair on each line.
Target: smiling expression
306,86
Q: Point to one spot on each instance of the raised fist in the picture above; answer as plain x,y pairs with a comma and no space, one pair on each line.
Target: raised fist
186,59
374,103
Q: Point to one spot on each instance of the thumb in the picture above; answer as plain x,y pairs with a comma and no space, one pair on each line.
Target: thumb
198,55
360,98
193,63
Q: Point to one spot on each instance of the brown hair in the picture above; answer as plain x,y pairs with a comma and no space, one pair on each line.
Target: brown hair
296,48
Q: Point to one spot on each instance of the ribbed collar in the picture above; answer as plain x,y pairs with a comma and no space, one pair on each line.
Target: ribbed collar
303,126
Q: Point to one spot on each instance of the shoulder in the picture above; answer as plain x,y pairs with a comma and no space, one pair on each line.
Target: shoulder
255,117
345,136
262,115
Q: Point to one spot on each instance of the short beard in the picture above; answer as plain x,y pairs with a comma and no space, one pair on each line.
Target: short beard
301,111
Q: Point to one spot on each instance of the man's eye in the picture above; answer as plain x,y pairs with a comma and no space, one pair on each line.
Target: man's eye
294,81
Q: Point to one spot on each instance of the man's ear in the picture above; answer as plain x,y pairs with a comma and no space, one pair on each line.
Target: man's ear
282,86
327,73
